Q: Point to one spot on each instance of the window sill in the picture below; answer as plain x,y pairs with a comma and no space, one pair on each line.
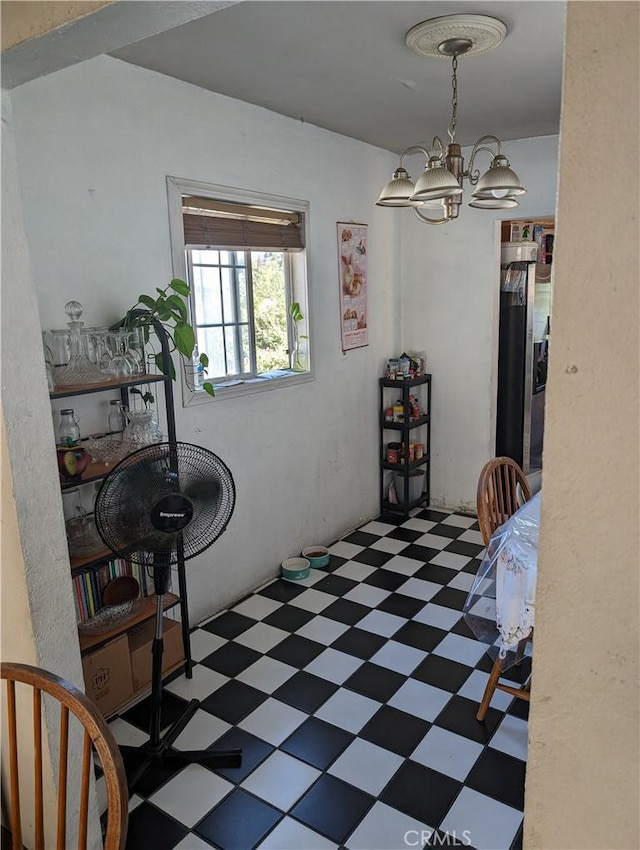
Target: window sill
234,388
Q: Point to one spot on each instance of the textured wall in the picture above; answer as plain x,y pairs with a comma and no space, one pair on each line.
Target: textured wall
582,778
22,21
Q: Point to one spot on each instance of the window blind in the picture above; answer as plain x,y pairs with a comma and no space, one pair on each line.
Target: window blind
211,223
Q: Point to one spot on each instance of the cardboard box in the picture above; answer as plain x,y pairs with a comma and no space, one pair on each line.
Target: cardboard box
140,640
107,675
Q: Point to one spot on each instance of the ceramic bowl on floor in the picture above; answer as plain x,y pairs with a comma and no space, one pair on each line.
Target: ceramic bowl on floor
295,569
318,556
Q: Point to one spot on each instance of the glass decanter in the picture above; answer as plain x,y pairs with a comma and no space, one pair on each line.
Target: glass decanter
79,369
142,429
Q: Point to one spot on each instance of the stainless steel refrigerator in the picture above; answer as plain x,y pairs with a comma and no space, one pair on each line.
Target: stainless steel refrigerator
525,307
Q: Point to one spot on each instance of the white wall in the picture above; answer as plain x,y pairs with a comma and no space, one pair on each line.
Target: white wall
95,144
450,291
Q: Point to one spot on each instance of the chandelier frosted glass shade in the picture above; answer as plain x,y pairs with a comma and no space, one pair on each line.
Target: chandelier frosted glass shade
398,191
499,181
506,203
436,183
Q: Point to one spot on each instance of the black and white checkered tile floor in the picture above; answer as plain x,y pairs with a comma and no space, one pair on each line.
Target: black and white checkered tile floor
353,696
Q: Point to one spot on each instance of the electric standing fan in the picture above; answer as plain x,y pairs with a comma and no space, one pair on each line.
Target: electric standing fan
164,503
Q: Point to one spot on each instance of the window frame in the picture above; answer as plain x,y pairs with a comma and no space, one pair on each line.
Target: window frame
297,272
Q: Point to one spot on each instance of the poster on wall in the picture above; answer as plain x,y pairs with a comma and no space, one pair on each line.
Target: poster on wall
352,274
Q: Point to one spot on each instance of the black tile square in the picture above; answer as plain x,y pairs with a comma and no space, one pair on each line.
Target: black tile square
346,611
375,682
406,534
289,618
296,651
401,606
373,557
421,793
519,708
518,673
233,701
229,625
231,659
317,742
431,515
442,673
305,691
461,547
462,629
449,597
439,575
151,829
395,730
254,752
443,529
420,553
238,822
485,664
500,776
172,708
335,561
361,538
333,808
420,636
159,772
385,579
336,585
390,519
517,842
459,716
472,567
281,590
358,642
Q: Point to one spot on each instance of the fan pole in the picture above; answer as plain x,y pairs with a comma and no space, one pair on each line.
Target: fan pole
157,648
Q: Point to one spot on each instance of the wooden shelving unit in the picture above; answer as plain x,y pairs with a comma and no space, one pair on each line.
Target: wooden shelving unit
148,610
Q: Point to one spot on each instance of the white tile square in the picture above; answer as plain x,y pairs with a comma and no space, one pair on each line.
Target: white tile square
381,623
384,828
266,674
201,731
420,699
262,637
366,766
433,541
472,536
511,736
348,710
257,607
333,665
417,588
473,689
462,649
377,527
354,570
314,577
345,550
463,581
322,630
447,753
134,802
389,544
191,794
396,656
192,842
273,721
203,643
438,616
201,684
450,560
127,735
281,780
290,834
313,600
366,594
404,566
460,521
421,525
488,823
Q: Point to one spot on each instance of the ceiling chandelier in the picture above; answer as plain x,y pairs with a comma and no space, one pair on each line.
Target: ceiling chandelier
437,195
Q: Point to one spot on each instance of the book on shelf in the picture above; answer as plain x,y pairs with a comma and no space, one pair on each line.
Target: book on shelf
89,585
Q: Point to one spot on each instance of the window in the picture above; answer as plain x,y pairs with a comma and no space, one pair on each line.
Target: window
243,257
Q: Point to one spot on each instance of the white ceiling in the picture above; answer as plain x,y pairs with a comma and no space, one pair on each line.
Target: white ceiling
344,66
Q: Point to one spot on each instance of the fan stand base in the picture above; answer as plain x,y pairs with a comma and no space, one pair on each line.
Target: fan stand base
138,760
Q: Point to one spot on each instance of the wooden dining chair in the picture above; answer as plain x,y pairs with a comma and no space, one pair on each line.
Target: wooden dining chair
502,489
96,734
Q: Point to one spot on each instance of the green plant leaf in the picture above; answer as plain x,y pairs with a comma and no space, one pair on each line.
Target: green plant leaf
208,388
204,360
148,302
180,287
179,306
164,311
184,338
295,312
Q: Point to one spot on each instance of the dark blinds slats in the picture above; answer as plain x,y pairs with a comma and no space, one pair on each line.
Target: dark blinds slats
215,231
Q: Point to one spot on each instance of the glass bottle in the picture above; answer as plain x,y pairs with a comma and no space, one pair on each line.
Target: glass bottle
195,371
68,430
79,369
116,420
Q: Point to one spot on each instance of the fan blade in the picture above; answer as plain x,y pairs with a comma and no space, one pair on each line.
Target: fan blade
206,490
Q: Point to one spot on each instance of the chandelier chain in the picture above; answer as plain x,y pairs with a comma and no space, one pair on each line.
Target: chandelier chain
454,100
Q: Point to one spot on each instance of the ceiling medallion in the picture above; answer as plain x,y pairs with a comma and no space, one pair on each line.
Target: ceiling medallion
484,33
